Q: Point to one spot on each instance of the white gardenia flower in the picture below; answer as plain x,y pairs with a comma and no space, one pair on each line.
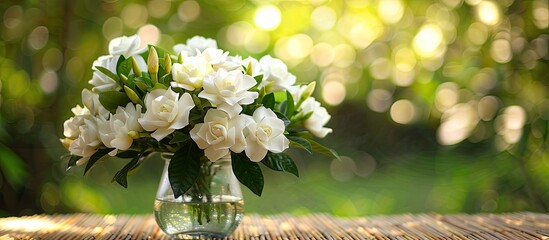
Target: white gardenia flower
114,133
92,104
166,112
126,46
265,133
194,46
219,59
275,74
100,81
71,127
220,133
190,74
121,46
88,141
229,90
315,123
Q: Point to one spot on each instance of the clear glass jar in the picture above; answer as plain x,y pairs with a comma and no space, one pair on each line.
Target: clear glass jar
212,208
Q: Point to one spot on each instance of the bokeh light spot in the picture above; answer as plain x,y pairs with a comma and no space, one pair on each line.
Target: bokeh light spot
403,111
112,27
405,59
52,59
381,68
487,107
500,51
299,46
457,124
488,13
540,12
267,17
344,55
428,40
134,15
49,81
333,92
149,34
379,100
323,18
322,54
257,41
342,169
38,38
13,16
390,11
477,33
188,11
158,8
237,33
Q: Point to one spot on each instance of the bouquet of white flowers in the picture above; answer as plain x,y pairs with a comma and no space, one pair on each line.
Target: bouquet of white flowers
200,104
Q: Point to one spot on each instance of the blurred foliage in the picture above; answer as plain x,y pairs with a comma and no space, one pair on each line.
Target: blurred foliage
437,105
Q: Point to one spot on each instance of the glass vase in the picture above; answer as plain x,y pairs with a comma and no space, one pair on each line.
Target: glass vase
212,208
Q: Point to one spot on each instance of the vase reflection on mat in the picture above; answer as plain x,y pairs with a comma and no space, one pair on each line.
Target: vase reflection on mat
212,207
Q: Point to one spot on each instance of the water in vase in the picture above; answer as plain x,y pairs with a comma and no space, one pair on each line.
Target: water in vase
187,219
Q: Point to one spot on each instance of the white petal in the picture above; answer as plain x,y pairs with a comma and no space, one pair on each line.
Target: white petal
279,144
255,151
215,155
161,133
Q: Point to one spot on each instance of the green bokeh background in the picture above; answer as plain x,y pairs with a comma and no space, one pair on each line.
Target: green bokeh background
390,107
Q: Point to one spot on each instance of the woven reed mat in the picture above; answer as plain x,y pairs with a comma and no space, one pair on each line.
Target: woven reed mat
318,226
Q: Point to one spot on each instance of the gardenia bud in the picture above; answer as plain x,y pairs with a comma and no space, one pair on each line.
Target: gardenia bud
132,95
308,91
152,63
135,67
167,63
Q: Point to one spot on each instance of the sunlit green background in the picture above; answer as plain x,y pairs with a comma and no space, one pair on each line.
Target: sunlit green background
437,105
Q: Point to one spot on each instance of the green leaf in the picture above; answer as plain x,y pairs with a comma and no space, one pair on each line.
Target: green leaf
302,117
128,154
258,79
179,137
98,156
283,117
121,177
72,161
248,172
184,168
144,80
107,72
112,99
317,147
290,105
141,85
300,142
269,101
166,79
280,162
124,67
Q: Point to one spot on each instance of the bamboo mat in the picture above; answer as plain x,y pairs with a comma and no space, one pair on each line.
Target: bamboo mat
318,226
